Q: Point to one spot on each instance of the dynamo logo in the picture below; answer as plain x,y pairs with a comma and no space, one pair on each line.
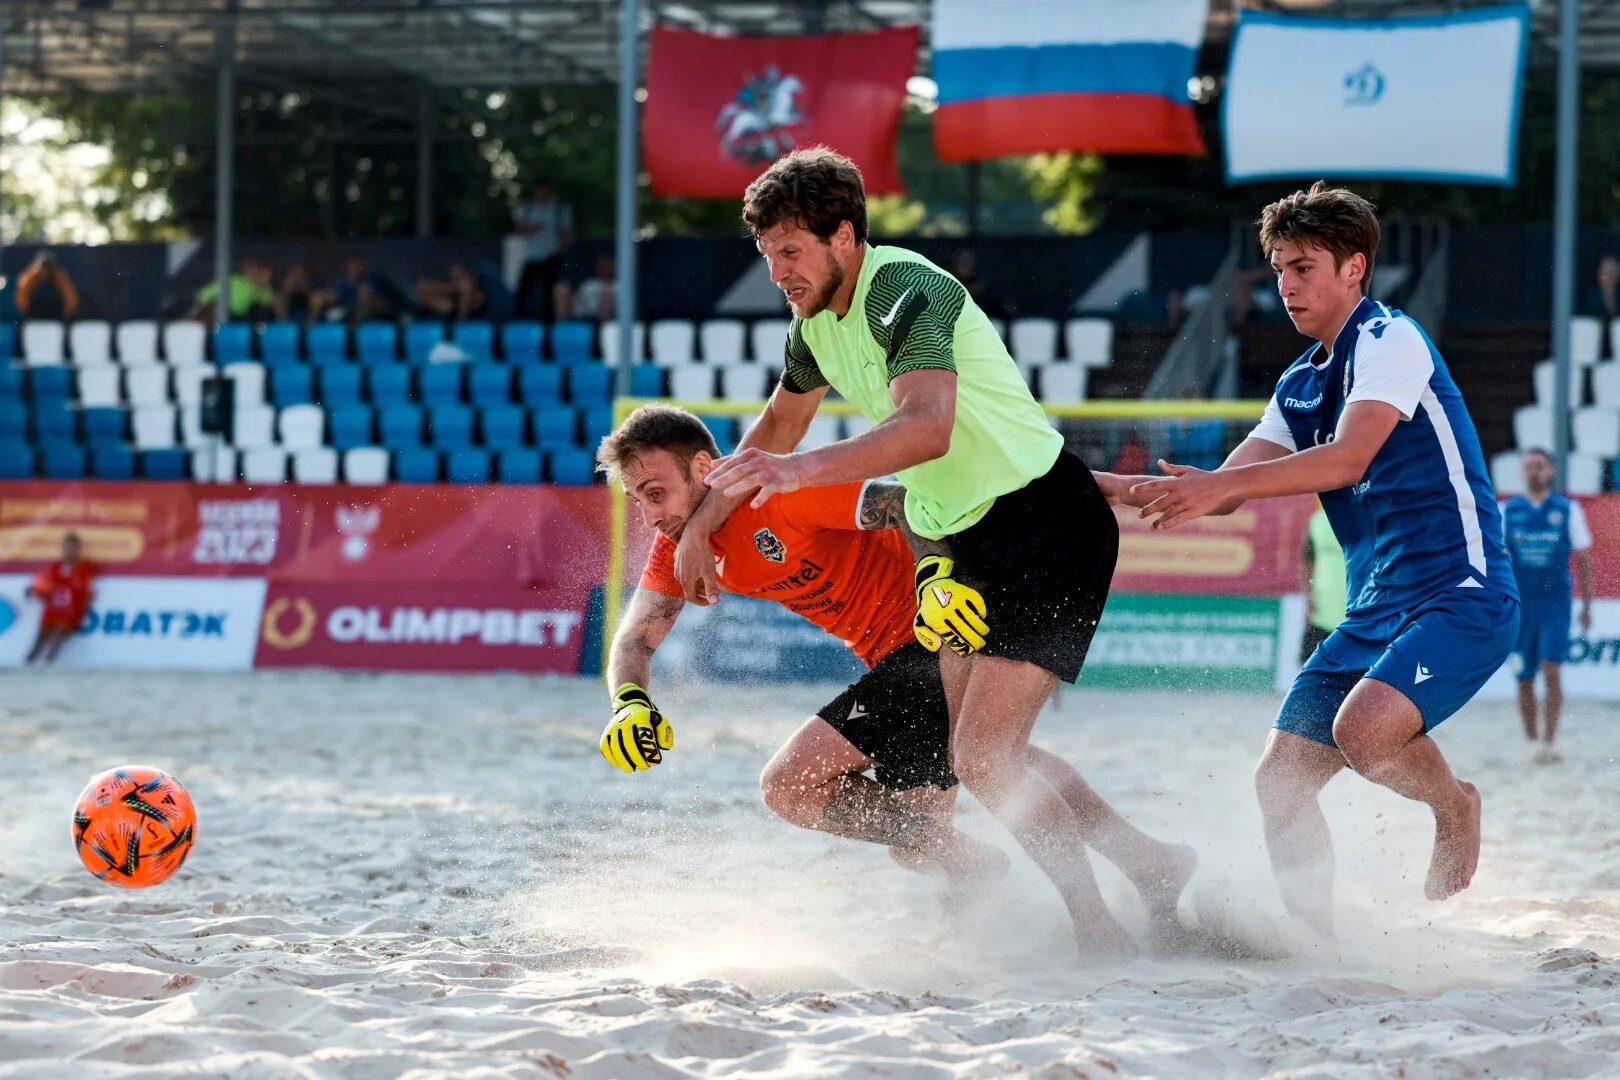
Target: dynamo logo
164,625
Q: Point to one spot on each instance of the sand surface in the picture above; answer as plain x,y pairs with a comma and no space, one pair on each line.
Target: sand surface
415,876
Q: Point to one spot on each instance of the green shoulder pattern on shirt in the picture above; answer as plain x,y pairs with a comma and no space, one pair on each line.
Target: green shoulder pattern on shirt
911,311
800,373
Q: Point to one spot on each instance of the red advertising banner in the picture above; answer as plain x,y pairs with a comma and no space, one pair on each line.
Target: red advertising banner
423,628
1254,551
721,109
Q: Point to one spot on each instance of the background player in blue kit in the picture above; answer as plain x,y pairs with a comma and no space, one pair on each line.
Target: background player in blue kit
1370,418
1543,529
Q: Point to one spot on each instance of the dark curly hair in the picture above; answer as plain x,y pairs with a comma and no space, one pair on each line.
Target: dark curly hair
815,187
655,427
1336,220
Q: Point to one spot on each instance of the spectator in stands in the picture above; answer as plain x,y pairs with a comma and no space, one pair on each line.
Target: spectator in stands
471,293
298,300
594,298
966,269
45,291
365,295
249,297
65,589
1603,300
547,224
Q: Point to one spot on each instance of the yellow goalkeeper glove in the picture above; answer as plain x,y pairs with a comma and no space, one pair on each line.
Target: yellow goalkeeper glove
637,736
948,612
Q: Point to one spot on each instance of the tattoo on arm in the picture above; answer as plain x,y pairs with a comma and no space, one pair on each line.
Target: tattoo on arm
647,624
883,506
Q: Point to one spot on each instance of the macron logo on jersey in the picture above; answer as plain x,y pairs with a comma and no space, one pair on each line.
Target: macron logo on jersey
1305,406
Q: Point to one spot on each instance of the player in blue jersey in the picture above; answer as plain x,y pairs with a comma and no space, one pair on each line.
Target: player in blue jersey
1369,418
1543,529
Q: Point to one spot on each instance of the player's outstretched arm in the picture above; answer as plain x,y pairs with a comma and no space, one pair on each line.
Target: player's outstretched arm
637,735
1363,429
645,626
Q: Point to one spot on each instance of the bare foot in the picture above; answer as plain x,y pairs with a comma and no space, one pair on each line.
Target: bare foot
1456,848
1161,887
1103,942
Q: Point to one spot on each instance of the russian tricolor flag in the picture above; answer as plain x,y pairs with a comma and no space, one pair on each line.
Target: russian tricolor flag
1029,76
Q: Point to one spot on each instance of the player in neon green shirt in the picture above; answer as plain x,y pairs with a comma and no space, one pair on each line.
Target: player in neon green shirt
1029,539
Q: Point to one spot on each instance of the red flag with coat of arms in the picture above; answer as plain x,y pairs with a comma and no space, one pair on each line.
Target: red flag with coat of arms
721,109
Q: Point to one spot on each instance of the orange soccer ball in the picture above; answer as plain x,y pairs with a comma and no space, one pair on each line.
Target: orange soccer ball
133,827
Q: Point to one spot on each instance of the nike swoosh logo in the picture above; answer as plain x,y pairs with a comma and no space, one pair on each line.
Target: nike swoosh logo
889,318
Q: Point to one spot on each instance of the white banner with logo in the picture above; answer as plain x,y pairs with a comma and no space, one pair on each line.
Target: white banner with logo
1434,98
154,623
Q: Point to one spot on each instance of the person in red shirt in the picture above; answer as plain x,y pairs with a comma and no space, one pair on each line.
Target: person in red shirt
65,589
841,557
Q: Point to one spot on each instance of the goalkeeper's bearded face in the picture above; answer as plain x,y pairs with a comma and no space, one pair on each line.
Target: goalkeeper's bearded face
666,491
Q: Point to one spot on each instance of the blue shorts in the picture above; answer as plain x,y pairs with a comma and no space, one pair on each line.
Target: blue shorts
1438,655
1543,636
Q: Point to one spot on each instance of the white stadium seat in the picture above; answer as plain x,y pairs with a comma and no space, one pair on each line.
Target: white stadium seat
91,342
768,339
673,342
265,465
1090,341
1034,340
99,385
44,342
249,382
1063,383
188,383
147,384
137,341
856,425
1614,339
1507,473
1585,475
610,343
185,343
214,465
721,340
1585,339
1532,427
303,427
154,427
1596,431
192,436
1606,382
317,465
1544,378
742,382
365,465
254,427
823,431
691,382
1000,326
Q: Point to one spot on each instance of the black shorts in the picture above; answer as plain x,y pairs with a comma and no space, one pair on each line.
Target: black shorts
1043,557
896,715
1314,636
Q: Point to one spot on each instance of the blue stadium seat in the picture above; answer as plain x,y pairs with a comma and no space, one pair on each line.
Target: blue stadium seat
450,427
573,465
377,343
105,425
11,381
61,459
647,380
572,342
328,343
519,466
556,426
13,419
389,385
590,383
416,466
54,420
441,384
233,343
16,459
351,426
340,385
8,342
293,384
540,384
598,424
521,342
165,465
467,467
400,426
504,427
420,338
278,343
112,463
476,339
724,430
489,383
50,383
